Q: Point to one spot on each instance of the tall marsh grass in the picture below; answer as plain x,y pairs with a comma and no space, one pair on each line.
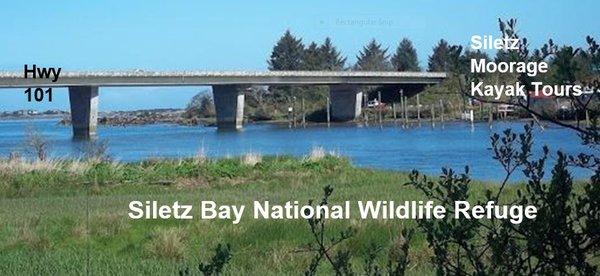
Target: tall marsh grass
251,158
317,153
167,243
20,166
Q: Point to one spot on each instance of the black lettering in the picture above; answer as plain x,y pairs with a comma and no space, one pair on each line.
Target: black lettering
44,72
28,93
49,93
56,74
39,94
27,71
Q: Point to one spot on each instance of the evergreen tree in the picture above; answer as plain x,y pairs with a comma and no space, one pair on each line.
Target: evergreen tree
506,56
287,53
565,65
332,58
405,58
477,54
373,58
440,58
468,55
313,58
324,57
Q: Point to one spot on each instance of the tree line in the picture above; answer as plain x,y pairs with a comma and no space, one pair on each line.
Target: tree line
290,53
567,65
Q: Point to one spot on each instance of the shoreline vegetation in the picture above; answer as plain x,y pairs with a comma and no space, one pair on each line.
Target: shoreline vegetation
58,213
71,216
177,117
167,116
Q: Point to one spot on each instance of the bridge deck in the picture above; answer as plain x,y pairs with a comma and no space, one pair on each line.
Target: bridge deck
199,78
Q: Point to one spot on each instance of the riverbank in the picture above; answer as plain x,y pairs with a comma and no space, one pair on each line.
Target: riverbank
70,217
181,117
175,117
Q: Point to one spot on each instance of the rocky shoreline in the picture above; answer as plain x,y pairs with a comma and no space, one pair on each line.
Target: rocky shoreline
144,117
119,118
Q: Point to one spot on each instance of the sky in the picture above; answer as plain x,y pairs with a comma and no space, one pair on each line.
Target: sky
239,35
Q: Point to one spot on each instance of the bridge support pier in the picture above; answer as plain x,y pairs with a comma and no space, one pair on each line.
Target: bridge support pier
84,111
229,105
345,102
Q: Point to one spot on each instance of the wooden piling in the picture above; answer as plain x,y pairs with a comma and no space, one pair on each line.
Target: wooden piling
405,111
303,114
365,105
491,114
328,112
294,111
441,111
379,109
402,106
289,116
587,118
432,115
418,110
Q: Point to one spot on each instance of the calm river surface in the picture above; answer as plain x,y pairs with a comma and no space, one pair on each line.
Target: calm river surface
426,149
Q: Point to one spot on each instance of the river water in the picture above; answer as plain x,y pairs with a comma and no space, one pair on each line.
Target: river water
391,147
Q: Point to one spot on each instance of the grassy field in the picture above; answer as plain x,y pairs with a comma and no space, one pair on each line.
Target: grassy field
69,217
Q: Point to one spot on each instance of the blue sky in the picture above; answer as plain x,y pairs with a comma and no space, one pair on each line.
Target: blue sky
238,35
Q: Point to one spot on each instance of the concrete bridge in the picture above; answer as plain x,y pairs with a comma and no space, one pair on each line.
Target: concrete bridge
228,89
